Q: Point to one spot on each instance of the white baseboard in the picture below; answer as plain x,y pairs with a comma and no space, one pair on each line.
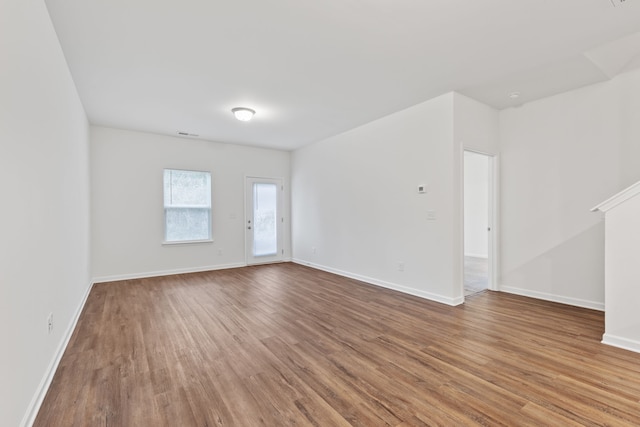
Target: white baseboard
394,286
624,343
118,277
554,298
45,383
269,262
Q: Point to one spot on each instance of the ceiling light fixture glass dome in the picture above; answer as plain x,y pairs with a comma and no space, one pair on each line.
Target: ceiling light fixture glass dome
243,114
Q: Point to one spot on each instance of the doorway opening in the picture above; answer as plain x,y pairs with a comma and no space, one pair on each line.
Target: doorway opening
478,222
263,220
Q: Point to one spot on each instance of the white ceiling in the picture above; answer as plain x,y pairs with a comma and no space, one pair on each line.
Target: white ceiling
313,69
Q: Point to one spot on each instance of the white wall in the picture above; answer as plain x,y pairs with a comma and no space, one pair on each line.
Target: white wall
356,209
127,208
476,129
476,205
560,157
44,182
475,125
627,106
622,317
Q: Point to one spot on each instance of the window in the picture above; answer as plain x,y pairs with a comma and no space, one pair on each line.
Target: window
187,205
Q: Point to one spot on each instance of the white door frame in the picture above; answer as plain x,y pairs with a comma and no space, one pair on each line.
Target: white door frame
248,216
493,222
492,218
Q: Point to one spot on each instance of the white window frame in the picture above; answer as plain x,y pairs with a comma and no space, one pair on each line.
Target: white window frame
166,208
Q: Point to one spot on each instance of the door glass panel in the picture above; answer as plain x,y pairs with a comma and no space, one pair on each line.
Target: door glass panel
265,236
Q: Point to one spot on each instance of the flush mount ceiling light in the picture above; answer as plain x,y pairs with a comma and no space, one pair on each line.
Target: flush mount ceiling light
514,95
243,114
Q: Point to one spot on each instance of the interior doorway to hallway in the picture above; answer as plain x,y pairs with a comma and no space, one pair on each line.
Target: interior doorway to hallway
478,222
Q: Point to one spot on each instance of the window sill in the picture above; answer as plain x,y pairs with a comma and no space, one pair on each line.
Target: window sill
186,242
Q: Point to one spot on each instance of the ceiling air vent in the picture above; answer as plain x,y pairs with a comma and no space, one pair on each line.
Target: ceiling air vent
187,134
618,2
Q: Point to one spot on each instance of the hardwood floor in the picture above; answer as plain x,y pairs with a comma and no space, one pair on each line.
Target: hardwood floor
284,345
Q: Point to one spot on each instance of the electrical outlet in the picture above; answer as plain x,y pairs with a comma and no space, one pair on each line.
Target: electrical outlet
50,323
313,250
401,266
219,251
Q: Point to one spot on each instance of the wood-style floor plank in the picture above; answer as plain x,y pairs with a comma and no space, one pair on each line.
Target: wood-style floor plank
284,344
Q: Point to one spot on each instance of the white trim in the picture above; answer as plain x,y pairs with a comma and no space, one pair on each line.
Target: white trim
36,402
624,343
383,284
621,197
494,221
208,208
594,305
280,261
144,275
186,242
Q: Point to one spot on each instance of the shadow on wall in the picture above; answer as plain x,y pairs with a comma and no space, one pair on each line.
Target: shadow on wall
571,272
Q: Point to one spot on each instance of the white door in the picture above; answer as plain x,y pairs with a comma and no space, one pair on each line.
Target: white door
263,220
